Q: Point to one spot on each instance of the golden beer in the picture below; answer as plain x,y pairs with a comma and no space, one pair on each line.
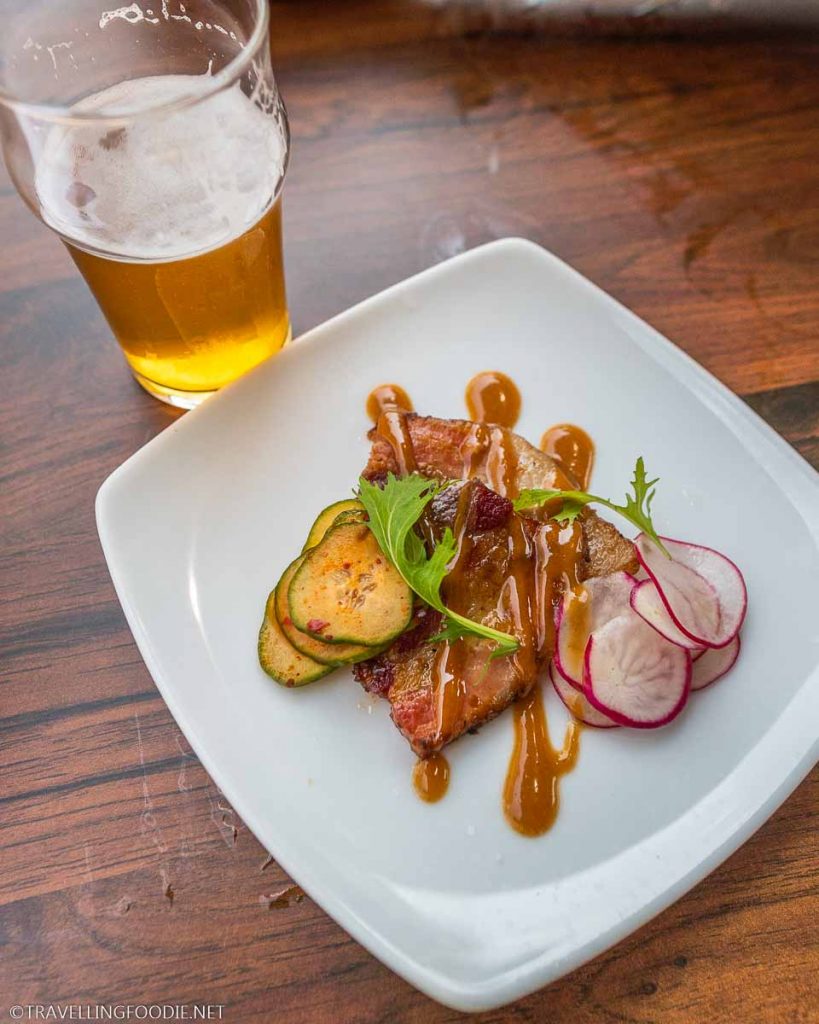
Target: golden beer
174,221
192,325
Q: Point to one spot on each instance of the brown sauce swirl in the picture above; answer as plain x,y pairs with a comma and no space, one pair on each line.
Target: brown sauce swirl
543,565
573,449
518,605
493,402
501,464
557,550
491,397
387,406
392,425
449,685
487,452
531,792
449,665
385,398
430,778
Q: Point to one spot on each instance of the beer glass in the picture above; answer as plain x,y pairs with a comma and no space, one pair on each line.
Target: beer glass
151,137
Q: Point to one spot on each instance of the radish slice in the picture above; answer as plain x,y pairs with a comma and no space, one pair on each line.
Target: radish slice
635,676
712,664
702,590
646,601
577,703
582,611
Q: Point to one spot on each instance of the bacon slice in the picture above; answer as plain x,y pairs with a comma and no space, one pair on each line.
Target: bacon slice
438,691
508,574
451,450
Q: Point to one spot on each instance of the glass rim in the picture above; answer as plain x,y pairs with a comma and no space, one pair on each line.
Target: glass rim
57,113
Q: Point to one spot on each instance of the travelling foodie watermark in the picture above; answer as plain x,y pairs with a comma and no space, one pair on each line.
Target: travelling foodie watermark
116,1011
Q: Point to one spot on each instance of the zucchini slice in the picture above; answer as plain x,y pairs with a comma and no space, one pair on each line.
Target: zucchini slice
325,519
347,591
280,660
318,650
351,515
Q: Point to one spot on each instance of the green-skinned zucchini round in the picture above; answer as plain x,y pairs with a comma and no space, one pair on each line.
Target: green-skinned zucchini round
280,659
318,650
347,591
325,519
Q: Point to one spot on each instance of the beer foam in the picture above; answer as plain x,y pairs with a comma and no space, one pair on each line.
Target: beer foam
166,185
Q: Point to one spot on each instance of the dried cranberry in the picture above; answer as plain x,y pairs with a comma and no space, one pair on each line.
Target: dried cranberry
490,510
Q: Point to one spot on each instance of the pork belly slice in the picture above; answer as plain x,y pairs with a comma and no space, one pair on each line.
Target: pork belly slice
439,691
450,450
444,449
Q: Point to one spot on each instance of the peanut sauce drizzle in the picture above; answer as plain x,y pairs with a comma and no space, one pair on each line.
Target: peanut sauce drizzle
387,397
486,451
430,778
572,447
393,426
543,565
530,793
387,406
531,790
491,397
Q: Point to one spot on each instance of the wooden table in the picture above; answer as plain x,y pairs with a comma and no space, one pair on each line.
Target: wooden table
681,176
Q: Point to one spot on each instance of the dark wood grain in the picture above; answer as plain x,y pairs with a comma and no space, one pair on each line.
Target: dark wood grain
681,176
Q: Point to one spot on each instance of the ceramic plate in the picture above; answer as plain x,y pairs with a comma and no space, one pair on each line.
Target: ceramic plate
197,526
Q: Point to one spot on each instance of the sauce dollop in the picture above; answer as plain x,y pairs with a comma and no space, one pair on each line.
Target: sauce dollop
430,778
531,793
572,447
387,398
491,397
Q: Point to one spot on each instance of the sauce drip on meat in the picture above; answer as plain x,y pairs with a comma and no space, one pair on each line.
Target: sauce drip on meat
558,551
531,794
449,693
493,401
387,406
572,447
450,665
501,464
430,778
487,452
392,425
491,397
543,564
387,397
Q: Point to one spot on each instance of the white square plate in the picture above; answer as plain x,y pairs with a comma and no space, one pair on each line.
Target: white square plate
197,526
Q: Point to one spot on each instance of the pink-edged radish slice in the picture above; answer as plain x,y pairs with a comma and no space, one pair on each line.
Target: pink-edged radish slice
646,601
583,610
702,590
712,664
698,653
577,704
634,675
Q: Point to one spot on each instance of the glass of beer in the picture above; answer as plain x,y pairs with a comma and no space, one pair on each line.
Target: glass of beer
151,137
